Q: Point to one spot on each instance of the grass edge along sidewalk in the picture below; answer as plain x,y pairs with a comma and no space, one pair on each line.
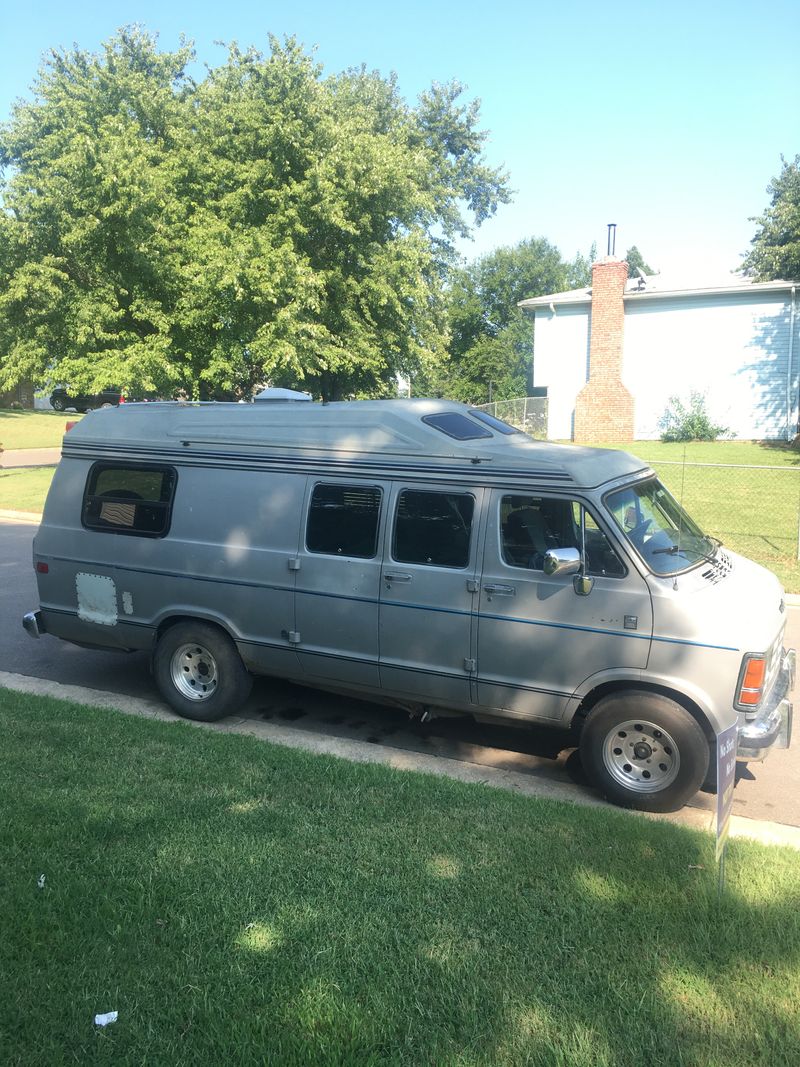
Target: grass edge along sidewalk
238,900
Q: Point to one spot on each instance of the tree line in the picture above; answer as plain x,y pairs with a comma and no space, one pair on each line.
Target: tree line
267,223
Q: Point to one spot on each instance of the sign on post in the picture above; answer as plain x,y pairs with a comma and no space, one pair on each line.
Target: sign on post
726,779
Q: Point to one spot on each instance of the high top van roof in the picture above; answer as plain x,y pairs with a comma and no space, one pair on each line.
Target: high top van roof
358,436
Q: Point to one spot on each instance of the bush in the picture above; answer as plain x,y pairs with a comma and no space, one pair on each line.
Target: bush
692,423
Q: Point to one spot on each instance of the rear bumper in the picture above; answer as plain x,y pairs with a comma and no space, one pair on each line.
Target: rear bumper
772,728
33,623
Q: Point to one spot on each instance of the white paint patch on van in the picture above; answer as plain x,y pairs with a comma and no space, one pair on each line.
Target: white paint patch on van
237,545
127,603
97,599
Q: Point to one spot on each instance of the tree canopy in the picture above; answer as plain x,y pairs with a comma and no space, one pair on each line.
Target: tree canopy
491,339
636,262
268,223
775,251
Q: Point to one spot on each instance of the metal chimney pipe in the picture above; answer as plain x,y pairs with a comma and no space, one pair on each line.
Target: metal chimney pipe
612,239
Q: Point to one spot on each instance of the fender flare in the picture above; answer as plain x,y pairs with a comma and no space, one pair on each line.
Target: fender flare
689,695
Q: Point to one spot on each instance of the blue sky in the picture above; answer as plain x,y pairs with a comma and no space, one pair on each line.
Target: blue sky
668,119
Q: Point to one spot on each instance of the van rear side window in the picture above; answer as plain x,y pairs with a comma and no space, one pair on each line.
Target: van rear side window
128,499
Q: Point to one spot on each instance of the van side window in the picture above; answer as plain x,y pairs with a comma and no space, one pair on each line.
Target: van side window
531,525
343,520
601,559
128,499
433,528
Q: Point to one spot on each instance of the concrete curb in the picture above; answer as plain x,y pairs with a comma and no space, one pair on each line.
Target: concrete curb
363,752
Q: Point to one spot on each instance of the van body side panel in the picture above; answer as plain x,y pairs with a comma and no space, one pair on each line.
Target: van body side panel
427,612
537,637
235,533
225,559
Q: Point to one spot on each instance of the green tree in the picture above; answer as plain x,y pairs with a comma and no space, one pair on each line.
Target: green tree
88,262
775,252
636,262
490,338
579,271
266,224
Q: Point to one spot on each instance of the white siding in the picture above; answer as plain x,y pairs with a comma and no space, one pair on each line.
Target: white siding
734,348
560,361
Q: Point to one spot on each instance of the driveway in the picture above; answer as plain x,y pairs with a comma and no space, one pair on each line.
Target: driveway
768,791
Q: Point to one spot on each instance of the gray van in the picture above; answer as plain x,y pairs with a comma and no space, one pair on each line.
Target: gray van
423,553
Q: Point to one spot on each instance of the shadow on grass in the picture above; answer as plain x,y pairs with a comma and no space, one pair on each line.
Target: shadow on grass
238,902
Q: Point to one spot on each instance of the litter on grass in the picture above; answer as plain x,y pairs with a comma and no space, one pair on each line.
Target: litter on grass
105,1019
40,881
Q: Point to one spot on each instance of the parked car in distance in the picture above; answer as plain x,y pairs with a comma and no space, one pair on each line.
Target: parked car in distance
61,399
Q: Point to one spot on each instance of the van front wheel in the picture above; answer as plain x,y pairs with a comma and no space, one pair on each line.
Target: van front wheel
642,750
199,672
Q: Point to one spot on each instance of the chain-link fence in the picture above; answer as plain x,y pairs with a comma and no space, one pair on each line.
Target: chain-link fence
528,413
752,509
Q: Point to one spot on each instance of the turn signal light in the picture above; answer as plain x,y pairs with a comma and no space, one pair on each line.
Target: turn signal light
751,681
42,568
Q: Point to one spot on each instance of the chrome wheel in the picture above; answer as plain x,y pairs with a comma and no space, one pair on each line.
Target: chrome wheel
193,671
641,756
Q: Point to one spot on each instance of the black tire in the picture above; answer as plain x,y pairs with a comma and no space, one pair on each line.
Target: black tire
57,403
199,672
642,750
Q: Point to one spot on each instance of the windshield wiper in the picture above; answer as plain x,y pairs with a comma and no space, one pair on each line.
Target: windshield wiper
675,550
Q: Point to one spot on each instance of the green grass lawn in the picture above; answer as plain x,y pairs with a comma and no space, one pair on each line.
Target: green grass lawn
757,453
25,489
33,429
241,903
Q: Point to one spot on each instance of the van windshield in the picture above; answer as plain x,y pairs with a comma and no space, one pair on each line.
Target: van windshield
659,529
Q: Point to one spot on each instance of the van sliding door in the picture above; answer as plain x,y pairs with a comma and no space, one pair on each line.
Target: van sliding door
338,578
429,594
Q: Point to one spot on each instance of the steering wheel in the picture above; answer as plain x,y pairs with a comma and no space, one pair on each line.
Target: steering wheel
639,532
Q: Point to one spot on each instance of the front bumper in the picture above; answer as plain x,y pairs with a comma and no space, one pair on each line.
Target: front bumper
33,623
772,727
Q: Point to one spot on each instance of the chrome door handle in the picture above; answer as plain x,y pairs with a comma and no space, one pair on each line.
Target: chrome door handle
500,590
397,577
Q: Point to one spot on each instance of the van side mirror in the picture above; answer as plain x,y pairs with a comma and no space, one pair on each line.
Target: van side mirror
562,561
582,584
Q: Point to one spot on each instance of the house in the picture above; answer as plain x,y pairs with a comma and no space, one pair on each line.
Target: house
612,355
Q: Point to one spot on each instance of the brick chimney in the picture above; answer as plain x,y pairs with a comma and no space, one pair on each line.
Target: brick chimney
604,407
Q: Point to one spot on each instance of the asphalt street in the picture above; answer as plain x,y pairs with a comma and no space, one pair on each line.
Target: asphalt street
768,791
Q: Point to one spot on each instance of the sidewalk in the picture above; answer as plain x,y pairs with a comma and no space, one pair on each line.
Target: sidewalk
769,833
29,457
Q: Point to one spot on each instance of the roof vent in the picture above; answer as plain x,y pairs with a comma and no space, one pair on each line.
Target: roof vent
272,396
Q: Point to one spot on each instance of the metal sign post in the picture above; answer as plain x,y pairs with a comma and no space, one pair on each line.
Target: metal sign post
726,780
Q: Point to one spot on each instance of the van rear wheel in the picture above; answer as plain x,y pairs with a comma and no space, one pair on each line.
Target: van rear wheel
199,672
642,750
